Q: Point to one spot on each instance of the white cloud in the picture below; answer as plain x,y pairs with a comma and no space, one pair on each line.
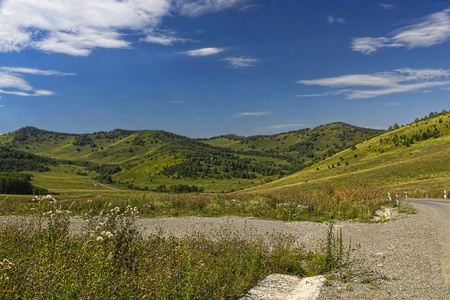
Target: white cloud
386,83
387,6
241,62
203,51
76,27
25,94
12,82
195,8
332,20
162,37
333,93
252,114
428,31
34,71
392,103
286,126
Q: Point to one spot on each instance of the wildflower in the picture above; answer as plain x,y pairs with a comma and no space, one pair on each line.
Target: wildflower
103,233
99,239
144,297
109,235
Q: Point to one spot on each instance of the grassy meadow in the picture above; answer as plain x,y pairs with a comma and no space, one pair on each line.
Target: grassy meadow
394,160
110,260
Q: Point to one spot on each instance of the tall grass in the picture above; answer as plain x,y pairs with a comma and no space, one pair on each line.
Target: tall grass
111,261
351,202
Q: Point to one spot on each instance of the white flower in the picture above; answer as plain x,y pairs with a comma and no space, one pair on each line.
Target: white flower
103,232
99,239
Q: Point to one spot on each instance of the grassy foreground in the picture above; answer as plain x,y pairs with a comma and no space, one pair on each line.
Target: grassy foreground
111,261
351,202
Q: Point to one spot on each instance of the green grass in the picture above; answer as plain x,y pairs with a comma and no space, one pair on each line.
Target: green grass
352,202
418,167
111,261
142,154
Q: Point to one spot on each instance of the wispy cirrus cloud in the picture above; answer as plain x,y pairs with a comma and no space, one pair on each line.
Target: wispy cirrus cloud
252,114
333,93
332,20
13,83
241,62
280,126
428,31
387,6
385,83
77,27
162,37
204,51
194,8
392,103
32,71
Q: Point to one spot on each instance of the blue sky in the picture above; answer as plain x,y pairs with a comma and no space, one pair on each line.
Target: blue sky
203,68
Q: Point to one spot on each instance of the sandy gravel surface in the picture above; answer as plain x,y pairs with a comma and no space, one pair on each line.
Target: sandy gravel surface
405,252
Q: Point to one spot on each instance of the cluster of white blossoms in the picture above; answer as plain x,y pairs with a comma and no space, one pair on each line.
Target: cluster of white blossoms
104,221
133,211
58,212
6,264
48,197
103,235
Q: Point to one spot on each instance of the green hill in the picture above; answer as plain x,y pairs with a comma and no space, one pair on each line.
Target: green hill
156,160
415,157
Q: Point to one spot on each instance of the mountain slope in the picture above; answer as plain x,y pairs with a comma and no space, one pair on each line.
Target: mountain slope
152,158
416,156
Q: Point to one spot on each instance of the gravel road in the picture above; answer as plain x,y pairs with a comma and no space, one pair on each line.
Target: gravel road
404,252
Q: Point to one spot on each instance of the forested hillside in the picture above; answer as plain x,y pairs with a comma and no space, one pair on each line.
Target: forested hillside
12,162
159,160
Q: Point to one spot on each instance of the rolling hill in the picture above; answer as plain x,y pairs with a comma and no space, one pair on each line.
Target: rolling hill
156,160
414,158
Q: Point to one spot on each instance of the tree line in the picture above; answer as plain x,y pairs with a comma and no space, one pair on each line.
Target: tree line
18,183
